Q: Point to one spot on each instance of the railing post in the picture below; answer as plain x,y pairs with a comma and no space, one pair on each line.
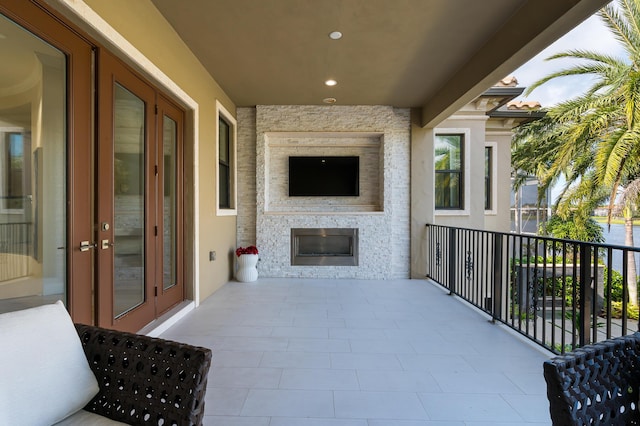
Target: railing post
429,260
584,321
452,260
497,277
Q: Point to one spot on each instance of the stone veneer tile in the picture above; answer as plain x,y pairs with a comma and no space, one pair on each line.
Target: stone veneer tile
265,217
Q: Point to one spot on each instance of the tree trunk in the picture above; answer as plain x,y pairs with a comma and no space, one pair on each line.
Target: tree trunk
632,283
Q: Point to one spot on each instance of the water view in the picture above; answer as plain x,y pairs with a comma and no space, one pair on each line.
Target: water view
615,236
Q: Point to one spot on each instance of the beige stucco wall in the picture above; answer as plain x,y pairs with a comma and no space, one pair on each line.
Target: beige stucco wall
500,220
421,193
158,53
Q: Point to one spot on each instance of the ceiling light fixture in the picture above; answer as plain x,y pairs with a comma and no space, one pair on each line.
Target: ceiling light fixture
330,82
335,35
329,100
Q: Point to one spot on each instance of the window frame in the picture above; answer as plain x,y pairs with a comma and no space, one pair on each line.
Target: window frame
464,170
223,114
493,210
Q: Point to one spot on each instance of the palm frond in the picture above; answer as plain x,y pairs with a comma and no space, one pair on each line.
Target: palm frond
624,29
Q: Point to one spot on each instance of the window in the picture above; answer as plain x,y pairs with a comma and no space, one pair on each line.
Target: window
226,164
449,171
488,178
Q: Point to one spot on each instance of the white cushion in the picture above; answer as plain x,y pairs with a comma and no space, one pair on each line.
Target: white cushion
84,418
44,375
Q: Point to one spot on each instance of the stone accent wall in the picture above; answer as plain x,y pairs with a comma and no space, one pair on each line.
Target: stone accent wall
246,165
379,135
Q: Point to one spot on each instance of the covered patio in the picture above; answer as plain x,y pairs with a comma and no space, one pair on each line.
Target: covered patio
316,352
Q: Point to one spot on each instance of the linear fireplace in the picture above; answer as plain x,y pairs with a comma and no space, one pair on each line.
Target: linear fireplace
324,246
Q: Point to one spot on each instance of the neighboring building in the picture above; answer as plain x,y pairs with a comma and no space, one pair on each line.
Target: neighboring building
143,141
476,143
527,211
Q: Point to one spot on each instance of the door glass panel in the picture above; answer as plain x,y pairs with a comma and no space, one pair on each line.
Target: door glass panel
32,170
129,186
169,142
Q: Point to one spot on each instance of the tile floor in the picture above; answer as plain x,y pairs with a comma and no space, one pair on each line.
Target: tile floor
310,352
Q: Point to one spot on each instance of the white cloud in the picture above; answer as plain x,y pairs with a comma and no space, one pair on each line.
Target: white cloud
591,35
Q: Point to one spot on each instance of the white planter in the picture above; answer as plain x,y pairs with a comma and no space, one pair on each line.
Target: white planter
247,271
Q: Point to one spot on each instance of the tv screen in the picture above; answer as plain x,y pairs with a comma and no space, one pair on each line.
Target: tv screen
324,176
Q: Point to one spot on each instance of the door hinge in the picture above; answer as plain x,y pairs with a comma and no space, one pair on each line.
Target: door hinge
155,230
155,291
156,109
156,170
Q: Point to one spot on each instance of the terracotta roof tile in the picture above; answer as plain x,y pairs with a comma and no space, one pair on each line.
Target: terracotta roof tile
523,105
509,81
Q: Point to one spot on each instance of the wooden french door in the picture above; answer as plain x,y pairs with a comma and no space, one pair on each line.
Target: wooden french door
138,199
90,192
46,152
169,209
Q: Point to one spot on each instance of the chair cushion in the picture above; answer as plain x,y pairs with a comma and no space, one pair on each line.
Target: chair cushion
84,418
45,376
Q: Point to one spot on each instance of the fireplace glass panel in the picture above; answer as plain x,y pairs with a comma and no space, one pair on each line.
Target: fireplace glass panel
324,246
330,245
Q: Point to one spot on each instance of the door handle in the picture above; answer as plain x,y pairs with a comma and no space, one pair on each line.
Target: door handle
86,245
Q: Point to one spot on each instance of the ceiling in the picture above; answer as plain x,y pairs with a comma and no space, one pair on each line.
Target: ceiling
430,54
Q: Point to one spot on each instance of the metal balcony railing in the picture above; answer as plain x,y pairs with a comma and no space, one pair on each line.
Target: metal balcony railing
561,294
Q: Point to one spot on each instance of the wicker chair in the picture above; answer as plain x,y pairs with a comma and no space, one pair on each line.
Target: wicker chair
597,384
145,380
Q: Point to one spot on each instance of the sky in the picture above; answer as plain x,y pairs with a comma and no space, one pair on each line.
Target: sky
590,35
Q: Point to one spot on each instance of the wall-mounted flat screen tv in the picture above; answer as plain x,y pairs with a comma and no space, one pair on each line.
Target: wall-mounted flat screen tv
324,176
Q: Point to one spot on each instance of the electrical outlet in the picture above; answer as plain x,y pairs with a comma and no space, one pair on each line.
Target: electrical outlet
212,256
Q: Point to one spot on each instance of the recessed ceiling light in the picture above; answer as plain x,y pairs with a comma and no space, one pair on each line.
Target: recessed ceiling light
330,82
329,100
335,35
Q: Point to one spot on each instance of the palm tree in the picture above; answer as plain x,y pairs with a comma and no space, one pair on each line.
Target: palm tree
593,141
626,207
